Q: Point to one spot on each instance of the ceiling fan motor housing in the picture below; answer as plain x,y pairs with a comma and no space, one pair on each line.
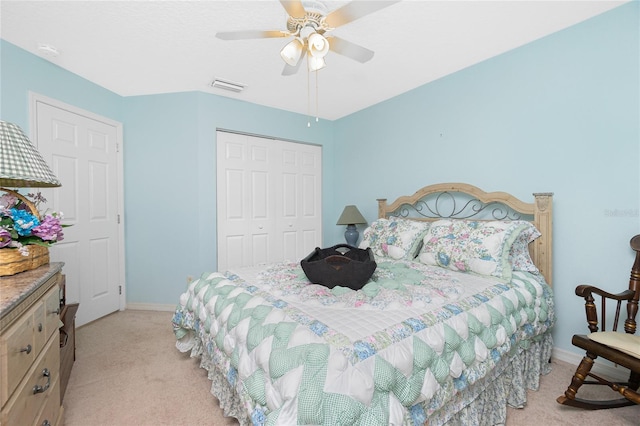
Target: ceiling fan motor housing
311,20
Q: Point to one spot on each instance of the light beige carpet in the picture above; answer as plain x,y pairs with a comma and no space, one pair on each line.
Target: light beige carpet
129,373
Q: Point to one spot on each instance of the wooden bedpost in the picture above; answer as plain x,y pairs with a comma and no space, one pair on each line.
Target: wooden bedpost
542,219
382,207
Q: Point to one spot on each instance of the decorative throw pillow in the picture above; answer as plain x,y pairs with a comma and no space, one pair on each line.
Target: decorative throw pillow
519,256
396,238
471,246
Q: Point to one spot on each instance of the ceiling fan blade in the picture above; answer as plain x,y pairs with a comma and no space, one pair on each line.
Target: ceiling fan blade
355,10
294,8
291,70
349,49
250,34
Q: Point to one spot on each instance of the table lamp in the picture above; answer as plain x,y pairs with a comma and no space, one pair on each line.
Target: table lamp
21,165
351,216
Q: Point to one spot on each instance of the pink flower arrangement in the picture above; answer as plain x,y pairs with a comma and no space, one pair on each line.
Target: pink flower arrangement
20,227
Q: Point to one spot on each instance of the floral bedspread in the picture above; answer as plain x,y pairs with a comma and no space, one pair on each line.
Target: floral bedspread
413,340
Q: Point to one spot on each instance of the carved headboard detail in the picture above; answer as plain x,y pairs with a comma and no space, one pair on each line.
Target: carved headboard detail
464,201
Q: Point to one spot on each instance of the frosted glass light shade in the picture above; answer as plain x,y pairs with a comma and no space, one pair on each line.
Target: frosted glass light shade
292,51
316,63
318,45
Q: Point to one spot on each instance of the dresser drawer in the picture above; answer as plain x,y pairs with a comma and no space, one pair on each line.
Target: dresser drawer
18,351
51,410
46,318
25,405
21,344
51,312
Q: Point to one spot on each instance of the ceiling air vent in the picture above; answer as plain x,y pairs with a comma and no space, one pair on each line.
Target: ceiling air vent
228,85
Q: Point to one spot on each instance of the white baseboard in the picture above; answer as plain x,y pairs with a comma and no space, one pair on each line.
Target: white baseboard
151,307
601,366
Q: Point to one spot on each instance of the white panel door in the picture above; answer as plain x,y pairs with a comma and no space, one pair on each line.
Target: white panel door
269,205
299,200
245,215
82,151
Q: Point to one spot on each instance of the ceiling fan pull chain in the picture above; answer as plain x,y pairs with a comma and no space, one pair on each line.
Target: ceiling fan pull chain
308,97
317,96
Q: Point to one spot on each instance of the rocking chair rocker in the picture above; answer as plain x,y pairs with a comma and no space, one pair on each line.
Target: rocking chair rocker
620,348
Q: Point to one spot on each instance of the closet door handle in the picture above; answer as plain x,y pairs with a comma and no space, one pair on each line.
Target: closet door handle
40,389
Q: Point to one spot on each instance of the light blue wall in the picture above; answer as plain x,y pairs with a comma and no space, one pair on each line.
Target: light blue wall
21,72
558,115
170,200
169,164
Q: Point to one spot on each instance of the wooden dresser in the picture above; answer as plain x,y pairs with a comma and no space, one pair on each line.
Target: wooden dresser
30,347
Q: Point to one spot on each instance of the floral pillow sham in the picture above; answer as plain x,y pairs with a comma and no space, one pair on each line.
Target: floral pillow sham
395,238
519,256
481,247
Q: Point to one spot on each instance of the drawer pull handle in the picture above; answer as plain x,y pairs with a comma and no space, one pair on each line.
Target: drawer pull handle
40,389
57,312
27,349
40,327
46,423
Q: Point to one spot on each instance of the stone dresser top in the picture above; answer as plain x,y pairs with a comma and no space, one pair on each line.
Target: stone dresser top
16,288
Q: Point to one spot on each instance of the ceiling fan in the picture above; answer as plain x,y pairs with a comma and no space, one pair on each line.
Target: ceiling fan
309,25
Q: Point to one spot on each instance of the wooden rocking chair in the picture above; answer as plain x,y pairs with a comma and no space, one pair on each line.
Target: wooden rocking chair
620,348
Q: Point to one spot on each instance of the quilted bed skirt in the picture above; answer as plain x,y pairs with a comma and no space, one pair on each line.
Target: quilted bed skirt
482,403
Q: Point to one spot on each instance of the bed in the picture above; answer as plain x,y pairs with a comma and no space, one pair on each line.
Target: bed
454,325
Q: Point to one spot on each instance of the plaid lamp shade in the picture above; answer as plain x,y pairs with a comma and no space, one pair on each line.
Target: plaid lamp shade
21,165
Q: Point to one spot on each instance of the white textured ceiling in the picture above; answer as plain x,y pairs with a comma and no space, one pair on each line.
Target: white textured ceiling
151,47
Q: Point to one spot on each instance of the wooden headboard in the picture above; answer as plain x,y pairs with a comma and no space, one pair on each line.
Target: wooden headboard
464,201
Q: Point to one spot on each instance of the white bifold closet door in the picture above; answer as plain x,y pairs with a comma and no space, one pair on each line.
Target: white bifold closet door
269,200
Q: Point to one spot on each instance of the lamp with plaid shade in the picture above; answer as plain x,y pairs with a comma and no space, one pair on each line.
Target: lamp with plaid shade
21,165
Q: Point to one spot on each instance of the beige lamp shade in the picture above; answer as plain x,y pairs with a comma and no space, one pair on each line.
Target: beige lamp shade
21,165
351,216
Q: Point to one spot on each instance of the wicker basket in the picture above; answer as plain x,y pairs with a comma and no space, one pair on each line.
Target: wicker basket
11,260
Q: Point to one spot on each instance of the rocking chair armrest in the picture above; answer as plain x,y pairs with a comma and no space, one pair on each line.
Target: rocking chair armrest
586,290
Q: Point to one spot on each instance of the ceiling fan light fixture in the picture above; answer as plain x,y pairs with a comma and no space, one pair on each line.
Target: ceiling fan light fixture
292,51
316,63
318,45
